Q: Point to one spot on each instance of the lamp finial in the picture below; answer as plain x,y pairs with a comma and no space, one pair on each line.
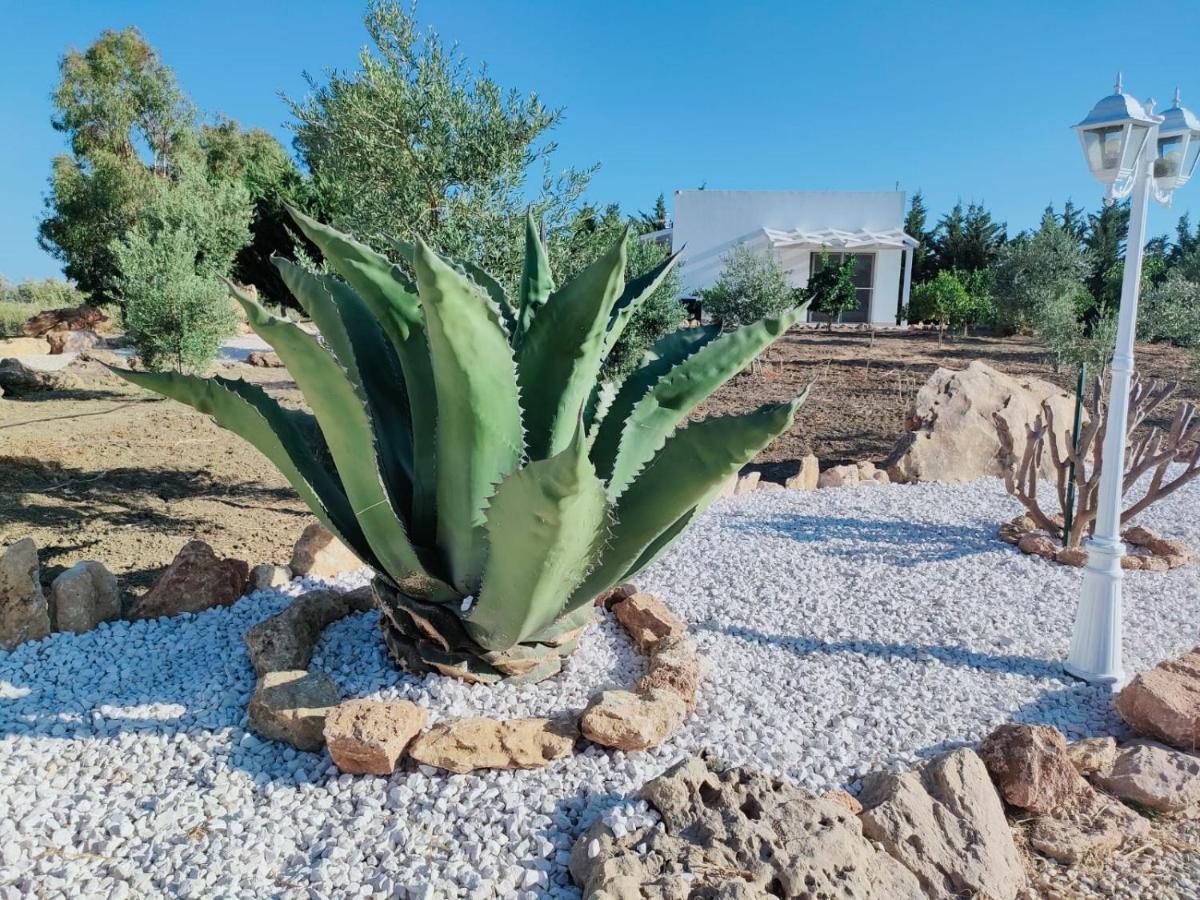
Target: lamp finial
1120,87
1176,100
1150,104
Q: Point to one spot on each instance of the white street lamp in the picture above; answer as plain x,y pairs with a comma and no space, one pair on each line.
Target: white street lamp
1114,137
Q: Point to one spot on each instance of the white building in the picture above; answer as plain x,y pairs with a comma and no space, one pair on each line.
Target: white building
796,226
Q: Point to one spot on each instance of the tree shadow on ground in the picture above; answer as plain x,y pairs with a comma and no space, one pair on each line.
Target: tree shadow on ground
896,542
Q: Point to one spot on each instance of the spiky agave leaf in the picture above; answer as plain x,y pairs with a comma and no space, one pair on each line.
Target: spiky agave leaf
546,523
392,298
479,413
680,391
636,292
560,356
683,478
537,282
342,414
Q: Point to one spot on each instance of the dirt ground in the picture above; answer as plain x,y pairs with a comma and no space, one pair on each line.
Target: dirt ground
110,473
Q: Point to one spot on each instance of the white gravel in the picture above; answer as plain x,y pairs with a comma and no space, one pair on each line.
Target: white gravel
845,630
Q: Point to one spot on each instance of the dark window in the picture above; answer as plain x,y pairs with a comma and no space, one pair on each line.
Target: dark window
864,275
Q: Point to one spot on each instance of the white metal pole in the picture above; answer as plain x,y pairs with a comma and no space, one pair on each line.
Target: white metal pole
1096,643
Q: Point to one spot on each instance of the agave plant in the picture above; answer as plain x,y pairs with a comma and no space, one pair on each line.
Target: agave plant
461,442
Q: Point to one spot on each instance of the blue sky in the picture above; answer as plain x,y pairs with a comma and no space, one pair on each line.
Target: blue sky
967,100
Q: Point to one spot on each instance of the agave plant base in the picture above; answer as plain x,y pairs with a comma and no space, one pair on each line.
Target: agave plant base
426,637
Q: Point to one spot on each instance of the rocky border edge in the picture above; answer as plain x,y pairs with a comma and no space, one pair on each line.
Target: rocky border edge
1150,552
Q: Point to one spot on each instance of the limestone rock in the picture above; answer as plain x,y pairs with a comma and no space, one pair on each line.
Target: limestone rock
319,553
806,476
464,745
950,434
770,486
648,620
1164,702
1030,767
748,483
266,359
265,576
286,640
674,666
627,721
839,476
1153,776
946,824
728,488
11,348
196,580
292,706
368,737
79,318
752,836
24,615
62,341
1093,756
82,597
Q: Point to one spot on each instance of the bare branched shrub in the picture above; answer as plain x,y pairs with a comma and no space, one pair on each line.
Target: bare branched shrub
1152,453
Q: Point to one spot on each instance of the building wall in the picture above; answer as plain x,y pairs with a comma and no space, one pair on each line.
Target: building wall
707,224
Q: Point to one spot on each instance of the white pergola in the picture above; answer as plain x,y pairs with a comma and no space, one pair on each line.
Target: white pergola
850,241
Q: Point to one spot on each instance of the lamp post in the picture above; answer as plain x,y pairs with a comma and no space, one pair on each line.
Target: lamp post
1133,152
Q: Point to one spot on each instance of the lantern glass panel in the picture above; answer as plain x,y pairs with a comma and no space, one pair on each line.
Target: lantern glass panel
1170,156
1103,149
1133,146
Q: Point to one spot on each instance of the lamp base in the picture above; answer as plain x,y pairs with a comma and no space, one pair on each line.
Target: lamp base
1095,655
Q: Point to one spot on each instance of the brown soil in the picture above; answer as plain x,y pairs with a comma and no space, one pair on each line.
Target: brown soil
107,473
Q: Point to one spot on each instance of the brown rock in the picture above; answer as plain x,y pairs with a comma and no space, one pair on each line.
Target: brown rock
196,580
1030,767
806,476
1153,776
946,824
1132,562
1174,553
1093,756
1039,543
265,359
79,318
839,476
265,576
950,433
62,341
368,737
24,614
1092,828
1138,536
1076,557
292,706
627,721
1164,702
286,640
616,595
648,620
843,799
676,667
320,554
464,745
82,597
748,483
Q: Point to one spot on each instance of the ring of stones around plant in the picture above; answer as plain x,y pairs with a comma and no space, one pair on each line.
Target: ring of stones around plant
302,706
1147,551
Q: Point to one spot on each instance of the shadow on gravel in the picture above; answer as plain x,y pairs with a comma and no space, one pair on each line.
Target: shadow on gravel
899,543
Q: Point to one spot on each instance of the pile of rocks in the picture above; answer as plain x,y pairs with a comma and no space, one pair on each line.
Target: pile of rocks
79,599
303,707
808,477
1147,551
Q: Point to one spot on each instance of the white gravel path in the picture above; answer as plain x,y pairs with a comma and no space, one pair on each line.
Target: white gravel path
845,629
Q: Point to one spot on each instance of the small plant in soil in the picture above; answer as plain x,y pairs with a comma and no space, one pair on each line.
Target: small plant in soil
463,444
1154,452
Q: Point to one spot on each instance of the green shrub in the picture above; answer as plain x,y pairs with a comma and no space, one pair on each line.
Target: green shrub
658,315
1035,271
830,290
1171,312
1075,330
751,286
947,302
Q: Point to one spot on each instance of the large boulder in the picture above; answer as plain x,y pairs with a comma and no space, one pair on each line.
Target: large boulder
949,431
946,824
196,580
750,834
319,553
24,614
1153,776
464,745
1164,702
64,341
79,318
84,596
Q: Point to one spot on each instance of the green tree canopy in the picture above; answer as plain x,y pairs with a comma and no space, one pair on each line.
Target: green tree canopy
915,225
419,142
968,239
